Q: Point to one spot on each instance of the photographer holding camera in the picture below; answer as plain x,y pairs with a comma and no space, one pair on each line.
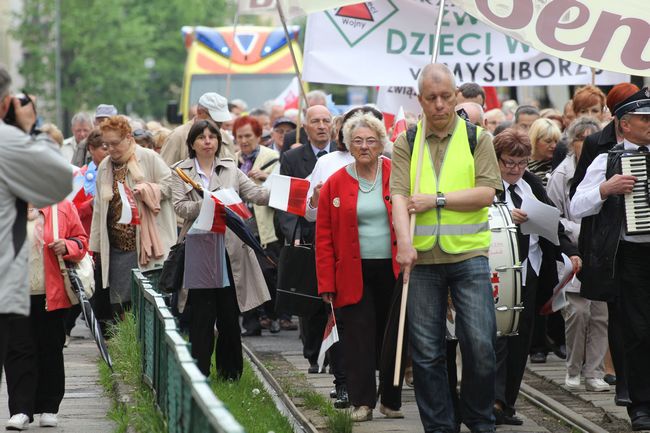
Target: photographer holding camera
32,171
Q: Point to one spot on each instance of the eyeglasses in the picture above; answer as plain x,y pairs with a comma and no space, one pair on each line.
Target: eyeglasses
513,164
369,141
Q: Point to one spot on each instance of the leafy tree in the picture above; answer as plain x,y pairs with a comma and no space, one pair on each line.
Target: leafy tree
104,46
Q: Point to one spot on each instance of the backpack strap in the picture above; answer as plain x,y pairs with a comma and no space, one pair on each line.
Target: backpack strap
471,135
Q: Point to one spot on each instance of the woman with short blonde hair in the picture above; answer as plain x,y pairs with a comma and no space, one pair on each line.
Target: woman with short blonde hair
544,136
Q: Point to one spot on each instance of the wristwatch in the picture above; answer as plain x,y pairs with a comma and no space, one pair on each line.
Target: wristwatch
441,200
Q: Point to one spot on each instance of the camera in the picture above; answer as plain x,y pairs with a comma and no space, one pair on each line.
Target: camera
10,117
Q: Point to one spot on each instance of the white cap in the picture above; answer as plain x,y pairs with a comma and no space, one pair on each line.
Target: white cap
216,105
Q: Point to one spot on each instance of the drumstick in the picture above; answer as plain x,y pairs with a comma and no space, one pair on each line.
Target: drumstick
405,285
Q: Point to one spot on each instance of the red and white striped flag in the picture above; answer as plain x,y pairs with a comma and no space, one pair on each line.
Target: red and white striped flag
232,201
130,213
289,96
330,337
212,216
400,124
289,194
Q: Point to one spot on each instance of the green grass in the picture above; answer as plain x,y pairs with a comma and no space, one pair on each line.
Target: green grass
249,403
142,414
337,420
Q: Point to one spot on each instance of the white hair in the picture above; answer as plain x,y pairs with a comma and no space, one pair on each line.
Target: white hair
364,120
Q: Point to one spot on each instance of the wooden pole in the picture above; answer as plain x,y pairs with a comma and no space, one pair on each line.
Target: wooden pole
416,189
298,121
293,54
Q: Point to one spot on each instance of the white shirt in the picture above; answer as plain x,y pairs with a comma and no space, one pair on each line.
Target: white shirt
326,166
587,201
317,150
534,251
205,179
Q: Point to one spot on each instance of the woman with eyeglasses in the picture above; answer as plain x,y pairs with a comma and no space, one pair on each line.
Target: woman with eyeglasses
355,260
124,246
537,256
585,320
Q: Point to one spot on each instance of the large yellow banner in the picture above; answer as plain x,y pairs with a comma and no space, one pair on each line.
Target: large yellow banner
604,34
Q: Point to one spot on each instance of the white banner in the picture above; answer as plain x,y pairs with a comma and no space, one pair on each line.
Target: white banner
386,43
611,35
291,8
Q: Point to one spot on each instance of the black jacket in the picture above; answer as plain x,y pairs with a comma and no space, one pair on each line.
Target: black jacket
595,144
599,242
550,253
298,162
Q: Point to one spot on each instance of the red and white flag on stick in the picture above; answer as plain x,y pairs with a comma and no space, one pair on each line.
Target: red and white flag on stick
566,277
400,124
232,200
289,194
212,216
130,213
330,337
289,96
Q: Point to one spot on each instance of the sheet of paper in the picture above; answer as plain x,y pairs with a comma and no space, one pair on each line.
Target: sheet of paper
542,219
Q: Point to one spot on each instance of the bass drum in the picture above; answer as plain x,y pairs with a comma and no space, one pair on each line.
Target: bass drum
505,274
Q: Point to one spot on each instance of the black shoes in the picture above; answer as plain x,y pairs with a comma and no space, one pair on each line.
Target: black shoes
640,419
560,352
538,358
610,379
313,369
252,333
342,401
501,418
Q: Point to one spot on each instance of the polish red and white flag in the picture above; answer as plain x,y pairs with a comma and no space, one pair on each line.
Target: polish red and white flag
231,199
400,124
330,337
289,194
130,213
212,216
289,96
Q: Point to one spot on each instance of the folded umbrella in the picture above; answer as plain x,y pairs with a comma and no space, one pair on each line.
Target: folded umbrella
235,223
89,316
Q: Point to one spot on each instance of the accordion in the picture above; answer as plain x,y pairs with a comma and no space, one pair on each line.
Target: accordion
637,203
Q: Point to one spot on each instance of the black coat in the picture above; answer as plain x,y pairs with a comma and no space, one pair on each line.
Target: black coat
298,162
595,144
550,253
290,138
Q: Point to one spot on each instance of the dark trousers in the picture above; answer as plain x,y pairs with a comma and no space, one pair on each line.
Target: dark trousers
4,337
634,276
363,336
71,318
34,364
512,352
551,326
616,346
312,328
210,306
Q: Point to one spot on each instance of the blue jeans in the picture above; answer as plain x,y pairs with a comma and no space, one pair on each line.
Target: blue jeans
471,292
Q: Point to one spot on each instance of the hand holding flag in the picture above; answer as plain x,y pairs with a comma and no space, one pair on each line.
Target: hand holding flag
212,216
330,337
289,194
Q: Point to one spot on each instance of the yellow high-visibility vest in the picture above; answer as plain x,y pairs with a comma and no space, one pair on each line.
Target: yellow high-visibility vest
456,232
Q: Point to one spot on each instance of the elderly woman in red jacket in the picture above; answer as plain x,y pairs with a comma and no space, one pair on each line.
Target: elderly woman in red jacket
34,365
355,259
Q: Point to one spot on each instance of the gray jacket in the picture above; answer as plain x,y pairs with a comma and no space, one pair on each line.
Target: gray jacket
32,171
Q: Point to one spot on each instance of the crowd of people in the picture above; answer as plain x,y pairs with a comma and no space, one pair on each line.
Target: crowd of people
440,177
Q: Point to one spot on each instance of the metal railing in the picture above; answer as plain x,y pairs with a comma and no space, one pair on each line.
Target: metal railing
182,392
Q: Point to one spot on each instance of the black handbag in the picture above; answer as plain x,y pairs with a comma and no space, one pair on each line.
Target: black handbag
297,287
171,276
